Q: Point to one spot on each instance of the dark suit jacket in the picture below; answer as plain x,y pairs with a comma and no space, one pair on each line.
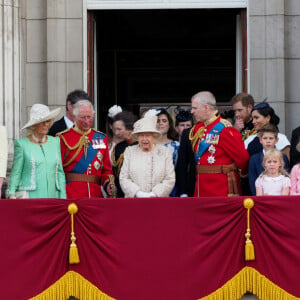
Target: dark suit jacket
294,154
186,167
57,126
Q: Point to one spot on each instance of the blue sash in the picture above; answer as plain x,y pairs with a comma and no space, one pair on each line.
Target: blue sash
83,163
203,145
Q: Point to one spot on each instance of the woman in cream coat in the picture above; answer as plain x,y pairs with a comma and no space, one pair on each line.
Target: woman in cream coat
37,170
148,169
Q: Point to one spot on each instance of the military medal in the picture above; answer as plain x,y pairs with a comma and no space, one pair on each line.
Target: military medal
212,149
212,139
95,144
102,144
211,160
100,156
97,165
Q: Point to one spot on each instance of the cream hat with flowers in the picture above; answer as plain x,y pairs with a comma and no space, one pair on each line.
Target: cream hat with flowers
146,124
40,113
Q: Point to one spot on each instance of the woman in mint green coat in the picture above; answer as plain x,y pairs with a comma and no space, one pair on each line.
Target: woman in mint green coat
37,170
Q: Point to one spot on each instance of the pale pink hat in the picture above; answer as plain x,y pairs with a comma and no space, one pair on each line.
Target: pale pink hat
146,124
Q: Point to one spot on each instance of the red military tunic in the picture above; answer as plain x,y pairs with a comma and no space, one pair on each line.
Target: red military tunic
96,162
225,148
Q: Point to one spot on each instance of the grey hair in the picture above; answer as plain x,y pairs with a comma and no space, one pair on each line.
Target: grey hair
206,97
82,103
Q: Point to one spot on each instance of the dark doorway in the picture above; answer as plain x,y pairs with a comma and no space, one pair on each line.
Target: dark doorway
164,56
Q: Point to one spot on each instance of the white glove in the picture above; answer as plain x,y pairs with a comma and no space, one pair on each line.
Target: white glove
140,194
151,194
183,195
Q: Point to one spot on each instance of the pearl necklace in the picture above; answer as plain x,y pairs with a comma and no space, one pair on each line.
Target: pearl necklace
43,140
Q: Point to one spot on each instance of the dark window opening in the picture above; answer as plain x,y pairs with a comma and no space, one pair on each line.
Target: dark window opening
164,56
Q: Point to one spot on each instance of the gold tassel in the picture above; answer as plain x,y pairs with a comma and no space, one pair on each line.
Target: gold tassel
111,179
73,252
249,247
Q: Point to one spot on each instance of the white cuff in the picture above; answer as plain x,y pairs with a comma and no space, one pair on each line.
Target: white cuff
140,194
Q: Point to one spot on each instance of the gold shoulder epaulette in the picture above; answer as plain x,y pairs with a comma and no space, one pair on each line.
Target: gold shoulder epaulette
225,122
61,132
99,131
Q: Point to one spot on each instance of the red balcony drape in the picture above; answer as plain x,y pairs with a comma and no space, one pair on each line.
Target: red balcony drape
158,248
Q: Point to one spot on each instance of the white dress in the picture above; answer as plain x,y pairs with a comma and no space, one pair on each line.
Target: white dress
3,152
151,171
272,185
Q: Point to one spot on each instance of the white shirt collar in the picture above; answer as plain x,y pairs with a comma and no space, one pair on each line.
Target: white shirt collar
68,122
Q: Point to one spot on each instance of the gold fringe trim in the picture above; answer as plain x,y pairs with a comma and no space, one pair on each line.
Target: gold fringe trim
72,284
250,280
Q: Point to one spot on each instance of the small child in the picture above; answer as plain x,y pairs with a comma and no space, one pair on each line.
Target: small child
268,137
295,176
274,180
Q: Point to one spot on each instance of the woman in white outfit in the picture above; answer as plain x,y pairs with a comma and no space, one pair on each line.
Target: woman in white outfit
148,169
3,156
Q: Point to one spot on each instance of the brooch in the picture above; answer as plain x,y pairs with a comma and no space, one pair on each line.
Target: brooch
211,160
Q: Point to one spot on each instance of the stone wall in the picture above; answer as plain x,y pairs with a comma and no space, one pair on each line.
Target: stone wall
52,51
267,54
274,52
292,63
10,68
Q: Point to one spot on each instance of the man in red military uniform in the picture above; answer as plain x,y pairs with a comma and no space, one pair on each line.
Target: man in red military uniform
210,153
85,156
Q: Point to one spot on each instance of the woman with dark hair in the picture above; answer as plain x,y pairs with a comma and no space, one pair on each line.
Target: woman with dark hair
262,114
112,138
168,133
122,125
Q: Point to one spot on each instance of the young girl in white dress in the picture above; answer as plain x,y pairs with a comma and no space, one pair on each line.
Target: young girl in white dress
274,180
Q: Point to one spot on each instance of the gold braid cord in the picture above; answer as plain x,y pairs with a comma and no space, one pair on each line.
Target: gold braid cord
249,247
83,142
117,163
248,133
73,251
194,138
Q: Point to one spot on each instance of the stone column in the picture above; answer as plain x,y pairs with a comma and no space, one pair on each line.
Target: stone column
10,68
53,51
64,49
267,54
292,59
